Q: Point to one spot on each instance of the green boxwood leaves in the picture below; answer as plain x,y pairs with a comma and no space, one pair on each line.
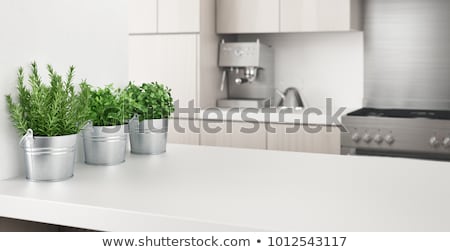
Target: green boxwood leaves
107,106
150,100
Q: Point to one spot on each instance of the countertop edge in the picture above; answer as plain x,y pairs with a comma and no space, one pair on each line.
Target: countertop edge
105,219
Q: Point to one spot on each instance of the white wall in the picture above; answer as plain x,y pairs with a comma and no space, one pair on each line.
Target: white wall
90,34
320,65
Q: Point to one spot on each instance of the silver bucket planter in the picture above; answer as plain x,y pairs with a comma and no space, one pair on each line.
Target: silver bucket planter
148,137
104,145
49,158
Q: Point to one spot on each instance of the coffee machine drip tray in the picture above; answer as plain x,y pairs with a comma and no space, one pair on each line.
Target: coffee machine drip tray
244,103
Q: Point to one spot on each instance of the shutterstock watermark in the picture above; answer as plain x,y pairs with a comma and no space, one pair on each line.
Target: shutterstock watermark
214,120
257,118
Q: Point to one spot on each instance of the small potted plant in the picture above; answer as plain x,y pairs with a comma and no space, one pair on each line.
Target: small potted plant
105,136
151,104
49,117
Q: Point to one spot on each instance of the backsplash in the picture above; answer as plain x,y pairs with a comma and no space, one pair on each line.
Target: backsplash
319,65
408,54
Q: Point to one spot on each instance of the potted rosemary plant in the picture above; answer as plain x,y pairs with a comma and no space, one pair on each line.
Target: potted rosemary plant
49,117
151,104
105,136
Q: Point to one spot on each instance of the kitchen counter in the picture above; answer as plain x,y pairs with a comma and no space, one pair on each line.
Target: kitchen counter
199,188
272,115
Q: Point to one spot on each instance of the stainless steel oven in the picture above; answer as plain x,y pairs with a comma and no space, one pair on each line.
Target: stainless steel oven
407,82
397,132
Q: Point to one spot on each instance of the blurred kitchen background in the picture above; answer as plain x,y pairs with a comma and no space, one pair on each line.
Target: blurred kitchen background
372,54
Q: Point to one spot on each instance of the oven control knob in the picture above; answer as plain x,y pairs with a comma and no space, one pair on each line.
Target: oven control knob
446,142
434,142
367,138
378,139
356,137
389,139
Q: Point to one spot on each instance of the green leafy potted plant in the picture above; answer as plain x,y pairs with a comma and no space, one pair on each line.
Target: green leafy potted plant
49,117
105,137
152,104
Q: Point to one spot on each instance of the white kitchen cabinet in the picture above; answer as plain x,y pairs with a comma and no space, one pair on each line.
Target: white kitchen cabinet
184,131
142,16
298,15
229,134
320,15
247,16
168,59
327,140
178,16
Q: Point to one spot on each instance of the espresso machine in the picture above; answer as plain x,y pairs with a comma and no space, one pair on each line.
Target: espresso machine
247,74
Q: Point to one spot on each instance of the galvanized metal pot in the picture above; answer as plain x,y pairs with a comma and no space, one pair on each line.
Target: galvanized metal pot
104,145
148,136
49,158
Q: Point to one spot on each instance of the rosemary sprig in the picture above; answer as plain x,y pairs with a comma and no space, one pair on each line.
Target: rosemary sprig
49,110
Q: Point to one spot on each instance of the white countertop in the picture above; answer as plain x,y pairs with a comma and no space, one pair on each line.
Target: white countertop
274,115
199,188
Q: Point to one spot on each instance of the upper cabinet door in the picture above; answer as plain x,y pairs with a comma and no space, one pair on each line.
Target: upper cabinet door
178,16
142,16
168,59
339,15
298,15
248,16
320,15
